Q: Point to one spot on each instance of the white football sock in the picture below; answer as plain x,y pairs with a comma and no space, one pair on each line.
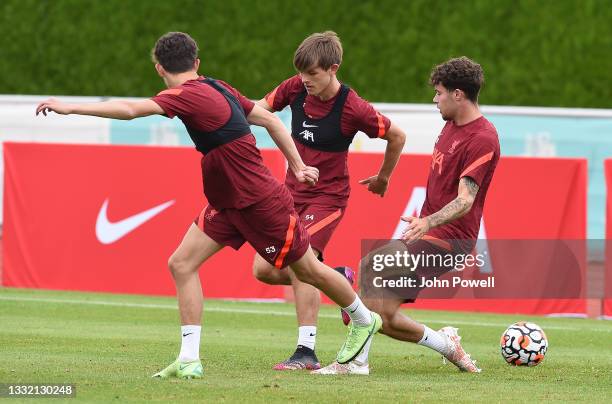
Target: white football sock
434,340
362,358
359,313
307,336
190,343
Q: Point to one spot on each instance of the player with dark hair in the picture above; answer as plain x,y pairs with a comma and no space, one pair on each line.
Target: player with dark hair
246,203
325,116
462,166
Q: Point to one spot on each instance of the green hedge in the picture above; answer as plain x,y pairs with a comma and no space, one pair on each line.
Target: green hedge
547,52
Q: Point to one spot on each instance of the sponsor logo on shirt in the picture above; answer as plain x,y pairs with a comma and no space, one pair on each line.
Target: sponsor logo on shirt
436,159
304,124
307,135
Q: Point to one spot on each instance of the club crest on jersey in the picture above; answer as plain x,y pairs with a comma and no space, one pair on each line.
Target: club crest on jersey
453,146
307,135
211,215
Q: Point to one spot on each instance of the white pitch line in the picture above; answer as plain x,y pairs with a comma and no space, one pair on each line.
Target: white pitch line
207,308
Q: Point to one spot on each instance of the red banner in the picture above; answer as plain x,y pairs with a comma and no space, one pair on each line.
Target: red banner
56,194
54,199
607,302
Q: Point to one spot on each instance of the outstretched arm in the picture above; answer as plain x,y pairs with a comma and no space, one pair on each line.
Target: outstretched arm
264,104
261,117
395,138
125,110
455,209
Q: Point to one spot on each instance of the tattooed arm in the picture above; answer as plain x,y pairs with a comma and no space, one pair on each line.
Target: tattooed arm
456,208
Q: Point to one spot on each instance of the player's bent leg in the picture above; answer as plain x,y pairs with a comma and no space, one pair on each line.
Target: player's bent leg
395,324
309,269
268,273
364,322
195,248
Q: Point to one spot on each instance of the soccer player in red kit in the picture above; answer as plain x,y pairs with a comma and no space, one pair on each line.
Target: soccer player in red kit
246,203
462,166
325,116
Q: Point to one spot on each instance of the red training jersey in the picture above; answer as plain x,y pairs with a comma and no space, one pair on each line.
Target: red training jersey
357,115
234,173
470,150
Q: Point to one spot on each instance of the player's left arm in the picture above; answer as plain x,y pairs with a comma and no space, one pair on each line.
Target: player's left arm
466,194
395,138
119,109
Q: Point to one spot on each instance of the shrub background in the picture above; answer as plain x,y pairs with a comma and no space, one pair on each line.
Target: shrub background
539,53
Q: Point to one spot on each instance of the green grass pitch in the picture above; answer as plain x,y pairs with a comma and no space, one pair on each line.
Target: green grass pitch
110,345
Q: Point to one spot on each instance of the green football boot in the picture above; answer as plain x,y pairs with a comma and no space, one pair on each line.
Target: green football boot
182,370
357,337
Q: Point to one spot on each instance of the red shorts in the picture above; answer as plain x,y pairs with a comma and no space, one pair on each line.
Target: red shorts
320,222
271,226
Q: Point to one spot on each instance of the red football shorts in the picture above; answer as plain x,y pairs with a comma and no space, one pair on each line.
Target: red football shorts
271,226
320,221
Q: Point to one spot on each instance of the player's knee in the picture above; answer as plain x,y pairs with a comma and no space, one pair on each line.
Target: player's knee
178,266
388,324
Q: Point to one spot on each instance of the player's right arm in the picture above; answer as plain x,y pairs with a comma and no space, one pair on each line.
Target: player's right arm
262,117
119,109
395,138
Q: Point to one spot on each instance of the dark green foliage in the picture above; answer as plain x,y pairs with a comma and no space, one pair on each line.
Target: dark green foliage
534,52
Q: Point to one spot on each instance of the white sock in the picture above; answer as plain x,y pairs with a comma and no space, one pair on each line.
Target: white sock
358,312
434,340
190,343
307,336
362,358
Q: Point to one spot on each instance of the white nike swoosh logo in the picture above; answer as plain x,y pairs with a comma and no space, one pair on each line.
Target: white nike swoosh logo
304,124
108,232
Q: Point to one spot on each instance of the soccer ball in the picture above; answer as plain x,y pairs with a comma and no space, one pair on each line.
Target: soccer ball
523,344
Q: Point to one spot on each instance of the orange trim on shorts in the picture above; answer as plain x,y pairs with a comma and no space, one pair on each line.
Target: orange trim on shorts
477,163
288,241
438,242
171,91
318,226
381,125
270,98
